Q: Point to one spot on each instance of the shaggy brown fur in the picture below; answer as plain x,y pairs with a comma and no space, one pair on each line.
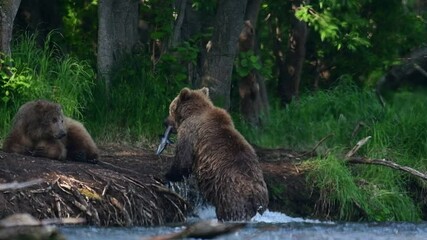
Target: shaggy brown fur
40,129
224,163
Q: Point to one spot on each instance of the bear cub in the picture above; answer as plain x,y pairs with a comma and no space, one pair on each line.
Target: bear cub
40,129
223,162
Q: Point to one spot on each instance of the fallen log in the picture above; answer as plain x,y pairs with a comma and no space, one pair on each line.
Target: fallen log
25,226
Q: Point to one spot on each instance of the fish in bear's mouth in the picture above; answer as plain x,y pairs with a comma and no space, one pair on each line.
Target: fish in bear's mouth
164,140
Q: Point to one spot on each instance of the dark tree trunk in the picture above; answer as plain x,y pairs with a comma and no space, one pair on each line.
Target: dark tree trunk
8,10
249,88
191,25
218,66
176,38
117,34
253,103
290,70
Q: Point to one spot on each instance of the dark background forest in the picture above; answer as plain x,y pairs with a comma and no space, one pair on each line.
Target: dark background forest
290,72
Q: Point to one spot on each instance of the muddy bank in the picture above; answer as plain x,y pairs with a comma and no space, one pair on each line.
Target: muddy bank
127,187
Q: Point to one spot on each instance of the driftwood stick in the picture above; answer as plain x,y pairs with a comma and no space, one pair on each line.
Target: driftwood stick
358,145
389,164
17,185
420,69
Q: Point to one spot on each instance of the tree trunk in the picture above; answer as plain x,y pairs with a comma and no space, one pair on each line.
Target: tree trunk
117,34
249,88
8,10
176,37
252,90
218,66
290,70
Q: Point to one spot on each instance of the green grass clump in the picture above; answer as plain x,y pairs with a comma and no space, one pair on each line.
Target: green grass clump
361,196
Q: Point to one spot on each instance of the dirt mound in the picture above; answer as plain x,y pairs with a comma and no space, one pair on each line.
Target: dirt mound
127,187
123,189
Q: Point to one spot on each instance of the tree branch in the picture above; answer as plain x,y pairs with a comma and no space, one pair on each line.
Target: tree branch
387,163
357,147
383,162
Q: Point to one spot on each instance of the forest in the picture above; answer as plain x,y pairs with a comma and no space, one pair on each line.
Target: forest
313,76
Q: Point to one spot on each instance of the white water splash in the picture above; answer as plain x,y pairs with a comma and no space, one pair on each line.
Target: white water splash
208,213
205,212
278,217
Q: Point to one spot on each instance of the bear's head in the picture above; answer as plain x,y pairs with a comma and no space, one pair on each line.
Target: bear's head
48,120
188,103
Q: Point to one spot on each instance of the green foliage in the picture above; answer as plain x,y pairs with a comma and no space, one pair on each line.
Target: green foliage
160,16
361,37
338,22
246,62
138,103
325,24
13,84
176,60
80,27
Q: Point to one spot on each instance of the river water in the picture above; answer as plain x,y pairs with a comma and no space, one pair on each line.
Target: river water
271,225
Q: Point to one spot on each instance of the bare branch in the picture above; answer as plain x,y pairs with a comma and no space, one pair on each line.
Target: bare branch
389,164
357,147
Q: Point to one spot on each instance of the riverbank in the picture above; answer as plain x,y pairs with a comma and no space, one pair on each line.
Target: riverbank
127,188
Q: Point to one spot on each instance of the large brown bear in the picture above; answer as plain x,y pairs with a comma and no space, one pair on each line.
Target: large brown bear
224,163
40,129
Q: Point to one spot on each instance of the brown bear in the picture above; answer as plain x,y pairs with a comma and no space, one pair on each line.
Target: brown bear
224,163
40,129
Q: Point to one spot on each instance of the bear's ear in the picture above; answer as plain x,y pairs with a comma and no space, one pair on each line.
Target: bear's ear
184,94
205,91
40,105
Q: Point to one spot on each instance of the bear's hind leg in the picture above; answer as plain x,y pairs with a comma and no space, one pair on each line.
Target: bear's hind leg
80,145
17,143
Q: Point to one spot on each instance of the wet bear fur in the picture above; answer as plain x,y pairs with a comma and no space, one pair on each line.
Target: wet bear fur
224,163
40,129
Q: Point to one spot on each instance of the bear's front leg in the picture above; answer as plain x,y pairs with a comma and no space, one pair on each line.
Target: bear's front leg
182,164
53,149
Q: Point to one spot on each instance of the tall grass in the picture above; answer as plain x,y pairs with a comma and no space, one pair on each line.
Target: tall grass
365,193
48,74
336,112
55,76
